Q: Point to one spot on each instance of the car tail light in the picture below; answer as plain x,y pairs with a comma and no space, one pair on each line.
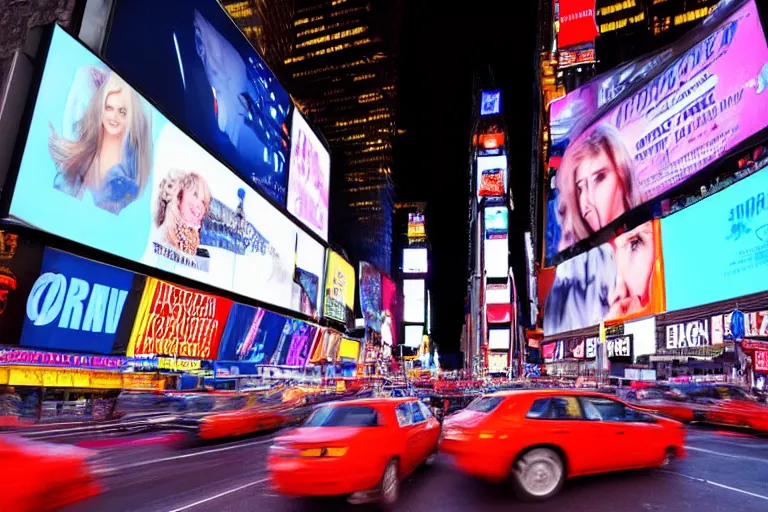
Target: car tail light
491,434
324,452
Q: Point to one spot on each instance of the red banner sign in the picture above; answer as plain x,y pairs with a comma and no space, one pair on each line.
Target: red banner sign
577,22
761,360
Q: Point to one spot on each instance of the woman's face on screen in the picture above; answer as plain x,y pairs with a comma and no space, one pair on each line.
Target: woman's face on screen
115,114
634,255
599,190
192,206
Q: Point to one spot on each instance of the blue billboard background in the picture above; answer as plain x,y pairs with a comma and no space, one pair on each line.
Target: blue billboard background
251,334
76,305
717,249
196,64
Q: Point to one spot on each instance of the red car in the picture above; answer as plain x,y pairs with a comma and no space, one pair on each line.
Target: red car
44,476
542,437
362,448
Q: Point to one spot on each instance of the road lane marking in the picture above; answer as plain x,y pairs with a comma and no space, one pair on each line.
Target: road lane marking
728,455
716,484
221,494
183,456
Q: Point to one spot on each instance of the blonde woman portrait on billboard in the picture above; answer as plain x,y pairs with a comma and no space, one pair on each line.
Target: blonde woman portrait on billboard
635,257
596,182
105,147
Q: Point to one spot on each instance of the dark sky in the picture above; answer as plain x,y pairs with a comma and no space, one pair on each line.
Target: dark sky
441,48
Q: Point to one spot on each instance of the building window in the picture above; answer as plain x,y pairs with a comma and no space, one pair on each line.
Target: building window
661,24
693,15
616,25
618,6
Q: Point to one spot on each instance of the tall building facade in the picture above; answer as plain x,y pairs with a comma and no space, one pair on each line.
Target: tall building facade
343,74
268,24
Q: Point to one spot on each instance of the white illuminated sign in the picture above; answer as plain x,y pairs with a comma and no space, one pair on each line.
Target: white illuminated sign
413,292
415,260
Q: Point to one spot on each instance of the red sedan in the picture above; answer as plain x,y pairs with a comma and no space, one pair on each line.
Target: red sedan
362,448
542,437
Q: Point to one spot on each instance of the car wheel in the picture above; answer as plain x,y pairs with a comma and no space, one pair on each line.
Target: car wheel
538,475
669,456
430,461
389,488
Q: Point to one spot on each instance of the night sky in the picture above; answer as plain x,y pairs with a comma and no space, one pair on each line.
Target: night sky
440,50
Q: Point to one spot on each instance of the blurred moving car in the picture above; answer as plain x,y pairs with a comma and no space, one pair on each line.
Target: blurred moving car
362,448
662,401
542,437
217,416
729,405
54,475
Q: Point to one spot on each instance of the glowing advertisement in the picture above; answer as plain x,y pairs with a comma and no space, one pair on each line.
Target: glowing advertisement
416,228
116,175
498,339
731,227
20,261
490,103
577,23
76,304
213,82
496,255
177,321
309,178
413,335
251,334
496,222
389,304
414,294
491,176
621,279
310,269
294,344
370,296
15,356
415,260
700,106
339,289
496,293
497,362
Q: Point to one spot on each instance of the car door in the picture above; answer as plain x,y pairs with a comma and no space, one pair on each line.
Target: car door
631,438
409,456
558,420
420,424
433,428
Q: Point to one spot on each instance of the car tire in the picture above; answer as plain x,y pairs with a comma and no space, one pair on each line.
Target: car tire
431,459
538,474
669,457
389,487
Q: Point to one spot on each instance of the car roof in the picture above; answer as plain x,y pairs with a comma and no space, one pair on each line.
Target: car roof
375,402
548,391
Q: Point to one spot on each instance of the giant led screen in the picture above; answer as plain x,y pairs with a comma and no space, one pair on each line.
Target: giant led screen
103,168
414,294
309,178
717,249
190,57
698,107
620,279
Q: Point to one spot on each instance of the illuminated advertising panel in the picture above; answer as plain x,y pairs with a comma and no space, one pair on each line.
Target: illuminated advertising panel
496,257
491,176
76,304
20,261
496,293
389,305
497,362
577,23
213,82
490,140
414,295
496,222
498,339
619,280
415,260
731,227
114,174
177,321
370,295
309,178
307,280
490,103
416,228
251,334
702,105
413,335
294,344
339,289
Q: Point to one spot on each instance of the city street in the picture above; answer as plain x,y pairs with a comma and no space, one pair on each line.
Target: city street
724,471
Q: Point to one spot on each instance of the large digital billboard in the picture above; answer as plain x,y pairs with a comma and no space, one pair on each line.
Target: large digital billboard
251,334
339,289
496,255
178,322
413,335
370,296
389,305
717,249
498,339
103,168
698,107
621,279
415,260
309,178
496,222
77,305
491,176
196,64
490,103
308,278
414,295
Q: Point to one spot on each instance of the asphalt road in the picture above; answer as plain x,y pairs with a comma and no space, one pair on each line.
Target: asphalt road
156,472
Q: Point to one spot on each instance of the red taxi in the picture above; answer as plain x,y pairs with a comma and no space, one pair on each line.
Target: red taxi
542,437
362,448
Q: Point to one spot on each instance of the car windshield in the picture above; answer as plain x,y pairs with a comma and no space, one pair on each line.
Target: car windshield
485,403
343,416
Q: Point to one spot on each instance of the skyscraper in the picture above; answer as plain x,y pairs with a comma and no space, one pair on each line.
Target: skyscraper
342,75
268,24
